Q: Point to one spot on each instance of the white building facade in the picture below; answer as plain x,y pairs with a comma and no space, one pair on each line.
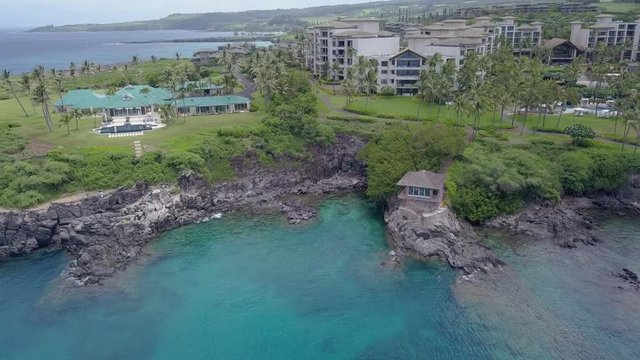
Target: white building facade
610,32
330,43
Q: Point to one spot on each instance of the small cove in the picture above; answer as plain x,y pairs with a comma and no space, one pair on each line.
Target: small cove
254,287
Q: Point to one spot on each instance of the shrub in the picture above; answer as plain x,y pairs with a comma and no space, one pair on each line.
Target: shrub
387,91
580,134
491,181
405,148
180,161
351,118
576,172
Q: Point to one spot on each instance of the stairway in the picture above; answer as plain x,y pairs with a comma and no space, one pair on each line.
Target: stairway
137,148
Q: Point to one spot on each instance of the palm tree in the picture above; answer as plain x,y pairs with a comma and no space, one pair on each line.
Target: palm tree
65,120
166,110
370,82
25,84
57,80
424,90
266,83
351,53
41,96
434,61
86,67
349,89
335,69
6,77
134,60
77,114
72,69
230,65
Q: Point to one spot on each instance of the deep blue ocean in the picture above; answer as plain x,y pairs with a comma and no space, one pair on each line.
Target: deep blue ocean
22,51
257,288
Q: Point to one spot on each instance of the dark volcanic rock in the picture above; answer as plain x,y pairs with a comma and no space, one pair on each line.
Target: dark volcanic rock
297,212
105,234
629,277
440,235
566,224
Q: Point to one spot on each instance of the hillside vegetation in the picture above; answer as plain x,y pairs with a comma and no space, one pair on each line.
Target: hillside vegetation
265,20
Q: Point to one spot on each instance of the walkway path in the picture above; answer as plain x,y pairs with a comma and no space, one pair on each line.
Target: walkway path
249,87
64,200
137,148
136,133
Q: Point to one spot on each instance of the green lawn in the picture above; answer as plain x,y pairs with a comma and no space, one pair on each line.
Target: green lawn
405,107
602,126
185,130
615,7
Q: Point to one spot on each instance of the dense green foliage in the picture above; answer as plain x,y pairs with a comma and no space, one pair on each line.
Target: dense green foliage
28,179
405,148
494,179
580,134
490,182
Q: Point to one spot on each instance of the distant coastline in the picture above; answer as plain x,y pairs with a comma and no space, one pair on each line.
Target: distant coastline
222,39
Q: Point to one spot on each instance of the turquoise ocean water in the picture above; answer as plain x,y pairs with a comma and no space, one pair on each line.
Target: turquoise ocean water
256,288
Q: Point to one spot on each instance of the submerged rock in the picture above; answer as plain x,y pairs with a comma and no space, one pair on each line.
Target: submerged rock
297,212
629,277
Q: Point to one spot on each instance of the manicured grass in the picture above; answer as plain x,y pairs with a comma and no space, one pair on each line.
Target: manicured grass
624,8
602,126
183,130
405,107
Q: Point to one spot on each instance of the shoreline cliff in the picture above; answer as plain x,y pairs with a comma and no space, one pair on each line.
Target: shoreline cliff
105,235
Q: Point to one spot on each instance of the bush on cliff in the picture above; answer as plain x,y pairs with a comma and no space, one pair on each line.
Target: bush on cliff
405,148
489,182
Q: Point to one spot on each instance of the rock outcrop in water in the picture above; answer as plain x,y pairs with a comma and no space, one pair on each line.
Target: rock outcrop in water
439,234
106,234
567,224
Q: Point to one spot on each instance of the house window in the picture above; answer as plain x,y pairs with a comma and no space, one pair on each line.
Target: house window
383,81
384,63
418,191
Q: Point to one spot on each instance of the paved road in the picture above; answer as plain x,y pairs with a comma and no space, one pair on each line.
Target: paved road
249,87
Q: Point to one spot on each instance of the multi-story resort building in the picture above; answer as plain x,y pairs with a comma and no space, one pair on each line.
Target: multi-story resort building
521,38
453,39
610,32
330,42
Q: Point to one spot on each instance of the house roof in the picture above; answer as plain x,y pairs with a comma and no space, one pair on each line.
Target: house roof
360,20
407,50
361,33
423,178
201,85
128,97
206,101
334,24
457,41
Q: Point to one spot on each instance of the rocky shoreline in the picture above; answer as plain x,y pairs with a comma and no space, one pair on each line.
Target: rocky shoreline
441,235
105,235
